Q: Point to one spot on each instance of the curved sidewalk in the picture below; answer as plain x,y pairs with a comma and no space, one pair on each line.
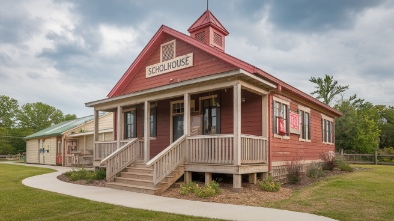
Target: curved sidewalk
50,182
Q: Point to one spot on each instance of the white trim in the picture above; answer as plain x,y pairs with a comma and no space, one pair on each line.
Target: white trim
181,84
305,110
281,101
90,132
325,117
171,117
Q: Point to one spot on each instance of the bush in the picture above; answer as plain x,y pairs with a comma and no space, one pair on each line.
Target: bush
314,170
210,189
341,163
294,171
269,185
328,161
83,174
187,188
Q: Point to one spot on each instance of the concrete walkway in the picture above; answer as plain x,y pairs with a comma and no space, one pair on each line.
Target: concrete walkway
49,182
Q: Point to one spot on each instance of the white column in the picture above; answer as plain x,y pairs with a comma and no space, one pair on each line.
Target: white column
237,124
118,126
146,131
186,116
96,125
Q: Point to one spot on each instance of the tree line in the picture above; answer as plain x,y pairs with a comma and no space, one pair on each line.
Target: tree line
364,126
18,121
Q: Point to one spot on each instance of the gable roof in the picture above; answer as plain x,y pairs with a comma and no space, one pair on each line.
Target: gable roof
207,19
58,129
164,31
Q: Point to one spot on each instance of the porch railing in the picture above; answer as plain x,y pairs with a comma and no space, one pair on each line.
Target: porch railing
102,149
121,158
168,160
254,149
211,149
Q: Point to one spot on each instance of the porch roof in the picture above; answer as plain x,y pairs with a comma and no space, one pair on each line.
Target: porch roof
90,133
233,73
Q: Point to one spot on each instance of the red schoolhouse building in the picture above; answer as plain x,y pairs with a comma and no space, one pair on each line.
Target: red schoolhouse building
186,106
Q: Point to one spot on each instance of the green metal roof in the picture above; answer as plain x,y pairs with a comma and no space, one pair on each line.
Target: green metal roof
58,129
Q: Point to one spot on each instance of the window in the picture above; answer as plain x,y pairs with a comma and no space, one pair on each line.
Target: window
130,129
167,51
281,116
305,127
217,39
211,114
327,130
152,121
200,36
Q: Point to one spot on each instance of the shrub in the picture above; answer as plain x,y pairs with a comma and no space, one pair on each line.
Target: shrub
269,185
294,171
328,161
210,189
314,170
83,174
187,188
341,163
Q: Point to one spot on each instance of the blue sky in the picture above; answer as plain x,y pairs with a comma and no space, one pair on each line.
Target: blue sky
66,53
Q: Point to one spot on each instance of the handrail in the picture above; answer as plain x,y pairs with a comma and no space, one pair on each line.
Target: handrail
121,158
168,160
210,136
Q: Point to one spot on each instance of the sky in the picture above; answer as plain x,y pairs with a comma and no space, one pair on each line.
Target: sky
65,53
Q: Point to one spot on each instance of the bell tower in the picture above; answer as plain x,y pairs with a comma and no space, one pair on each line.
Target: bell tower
208,30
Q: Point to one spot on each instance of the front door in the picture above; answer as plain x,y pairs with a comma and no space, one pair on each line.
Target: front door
177,127
59,155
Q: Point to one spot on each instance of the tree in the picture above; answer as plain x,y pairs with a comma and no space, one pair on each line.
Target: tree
386,125
357,130
68,117
8,109
327,88
38,116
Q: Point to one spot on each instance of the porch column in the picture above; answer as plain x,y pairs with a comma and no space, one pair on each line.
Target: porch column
96,125
186,116
146,131
118,127
237,124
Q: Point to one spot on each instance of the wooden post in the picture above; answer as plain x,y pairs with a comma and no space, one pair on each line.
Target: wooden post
118,126
237,182
96,125
146,131
253,178
188,177
186,121
208,177
376,156
237,124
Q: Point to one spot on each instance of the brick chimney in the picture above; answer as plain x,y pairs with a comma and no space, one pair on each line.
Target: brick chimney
208,30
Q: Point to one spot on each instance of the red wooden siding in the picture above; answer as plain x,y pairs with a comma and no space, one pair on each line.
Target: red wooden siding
287,150
251,119
204,64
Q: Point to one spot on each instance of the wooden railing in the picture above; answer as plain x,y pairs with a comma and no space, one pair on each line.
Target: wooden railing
103,149
121,158
211,149
168,160
253,149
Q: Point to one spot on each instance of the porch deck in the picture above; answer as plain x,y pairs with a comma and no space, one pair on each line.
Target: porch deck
202,153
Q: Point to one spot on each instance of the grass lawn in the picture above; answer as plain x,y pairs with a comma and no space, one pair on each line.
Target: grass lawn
19,202
362,195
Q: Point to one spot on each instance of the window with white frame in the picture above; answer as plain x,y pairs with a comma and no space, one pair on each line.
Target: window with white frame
130,124
152,121
305,123
328,130
167,51
281,117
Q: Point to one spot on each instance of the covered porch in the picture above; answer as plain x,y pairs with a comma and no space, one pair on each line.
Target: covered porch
223,130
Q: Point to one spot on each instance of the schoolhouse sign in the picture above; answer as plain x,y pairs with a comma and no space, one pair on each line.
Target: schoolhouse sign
174,64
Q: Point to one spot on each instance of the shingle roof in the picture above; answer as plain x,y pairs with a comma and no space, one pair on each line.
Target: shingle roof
59,128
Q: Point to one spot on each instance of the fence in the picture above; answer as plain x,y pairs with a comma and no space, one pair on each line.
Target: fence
375,158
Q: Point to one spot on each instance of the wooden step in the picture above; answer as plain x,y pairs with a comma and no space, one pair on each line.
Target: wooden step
139,170
134,182
140,176
133,188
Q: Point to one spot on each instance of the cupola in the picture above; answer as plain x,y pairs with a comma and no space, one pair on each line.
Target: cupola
208,30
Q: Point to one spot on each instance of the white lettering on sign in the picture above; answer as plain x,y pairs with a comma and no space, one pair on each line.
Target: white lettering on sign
175,64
